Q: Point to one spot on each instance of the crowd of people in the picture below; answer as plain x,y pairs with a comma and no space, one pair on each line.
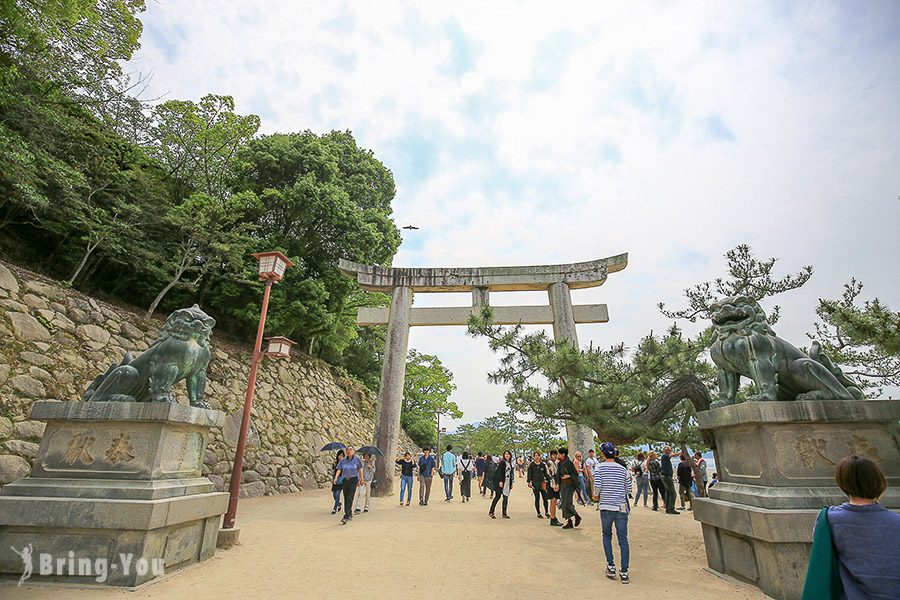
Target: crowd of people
609,482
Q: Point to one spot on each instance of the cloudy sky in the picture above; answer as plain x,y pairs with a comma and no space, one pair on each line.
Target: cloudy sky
531,133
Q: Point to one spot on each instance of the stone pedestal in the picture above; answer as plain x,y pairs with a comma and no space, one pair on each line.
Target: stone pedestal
115,482
776,463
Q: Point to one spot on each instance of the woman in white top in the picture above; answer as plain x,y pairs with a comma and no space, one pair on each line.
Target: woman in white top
467,470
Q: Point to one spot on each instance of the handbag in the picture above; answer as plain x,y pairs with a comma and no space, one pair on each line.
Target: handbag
823,577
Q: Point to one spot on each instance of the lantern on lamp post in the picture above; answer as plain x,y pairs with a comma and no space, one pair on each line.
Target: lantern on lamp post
272,266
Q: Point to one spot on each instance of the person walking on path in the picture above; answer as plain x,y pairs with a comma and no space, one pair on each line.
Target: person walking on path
479,470
612,484
580,489
337,484
350,469
863,536
685,479
520,467
368,474
701,464
448,472
490,467
656,484
537,481
427,465
503,482
553,488
641,478
466,468
589,463
567,476
407,466
667,473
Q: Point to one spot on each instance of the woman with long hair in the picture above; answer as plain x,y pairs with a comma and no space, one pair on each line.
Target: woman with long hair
537,481
503,482
641,478
336,486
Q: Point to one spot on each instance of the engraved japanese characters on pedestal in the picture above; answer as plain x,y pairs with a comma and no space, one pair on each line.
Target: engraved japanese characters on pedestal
745,345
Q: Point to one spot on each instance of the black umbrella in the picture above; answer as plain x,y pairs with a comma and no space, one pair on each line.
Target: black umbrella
333,446
370,450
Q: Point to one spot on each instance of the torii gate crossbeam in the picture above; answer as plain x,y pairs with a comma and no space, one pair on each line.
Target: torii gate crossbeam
403,283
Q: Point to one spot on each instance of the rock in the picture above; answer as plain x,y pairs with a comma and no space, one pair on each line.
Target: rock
6,426
232,429
34,302
28,386
210,458
28,328
29,430
4,373
35,358
39,373
25,449
95,336
44,290
220,468
13,467
263,469
131,332
218,482
309,482
252,490
8,280
251,476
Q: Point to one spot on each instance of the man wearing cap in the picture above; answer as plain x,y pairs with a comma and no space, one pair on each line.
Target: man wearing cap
612,484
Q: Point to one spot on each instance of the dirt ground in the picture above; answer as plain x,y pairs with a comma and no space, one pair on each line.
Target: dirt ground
291,547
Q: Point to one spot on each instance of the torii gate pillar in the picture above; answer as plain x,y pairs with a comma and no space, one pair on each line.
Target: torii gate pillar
557,280
581,437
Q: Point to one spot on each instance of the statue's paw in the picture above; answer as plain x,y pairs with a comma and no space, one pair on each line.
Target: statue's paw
201,404
165,398
813,395
721,402
121,398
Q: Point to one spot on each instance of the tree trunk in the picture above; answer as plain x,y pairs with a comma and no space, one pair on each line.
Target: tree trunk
87,254
162,293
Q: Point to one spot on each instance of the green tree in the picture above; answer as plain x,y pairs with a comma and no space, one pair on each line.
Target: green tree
208,234
197,142
866,338
426,390
321,198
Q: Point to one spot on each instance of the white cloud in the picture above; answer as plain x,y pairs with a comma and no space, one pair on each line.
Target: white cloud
533,133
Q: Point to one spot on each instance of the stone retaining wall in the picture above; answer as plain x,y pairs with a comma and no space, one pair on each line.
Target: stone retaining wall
56,340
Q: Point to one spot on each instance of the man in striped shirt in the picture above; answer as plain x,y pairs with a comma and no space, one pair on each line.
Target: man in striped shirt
612,484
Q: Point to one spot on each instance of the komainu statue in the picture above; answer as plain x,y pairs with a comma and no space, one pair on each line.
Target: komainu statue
744,344
180,352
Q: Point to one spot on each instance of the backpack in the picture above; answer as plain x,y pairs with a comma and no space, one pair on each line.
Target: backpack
638,469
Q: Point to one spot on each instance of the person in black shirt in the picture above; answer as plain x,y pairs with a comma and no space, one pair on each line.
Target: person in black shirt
406,476
667,473
537,481
567,476
490,467
685,479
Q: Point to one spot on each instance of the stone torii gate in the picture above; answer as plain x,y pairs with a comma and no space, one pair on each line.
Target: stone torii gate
402,283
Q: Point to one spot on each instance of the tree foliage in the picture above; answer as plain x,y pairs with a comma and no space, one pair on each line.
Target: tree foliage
426,390
507,431
866,338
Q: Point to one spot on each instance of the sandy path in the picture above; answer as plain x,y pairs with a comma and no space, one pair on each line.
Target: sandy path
292,548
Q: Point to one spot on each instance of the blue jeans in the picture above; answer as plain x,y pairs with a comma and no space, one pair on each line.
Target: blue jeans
607,518
406,485
582,489
337,499
643,485
448,485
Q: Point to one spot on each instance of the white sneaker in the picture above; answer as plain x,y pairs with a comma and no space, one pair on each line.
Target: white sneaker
611,571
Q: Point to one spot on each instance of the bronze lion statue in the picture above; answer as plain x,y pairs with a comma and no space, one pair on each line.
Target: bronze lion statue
180,352
745,345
